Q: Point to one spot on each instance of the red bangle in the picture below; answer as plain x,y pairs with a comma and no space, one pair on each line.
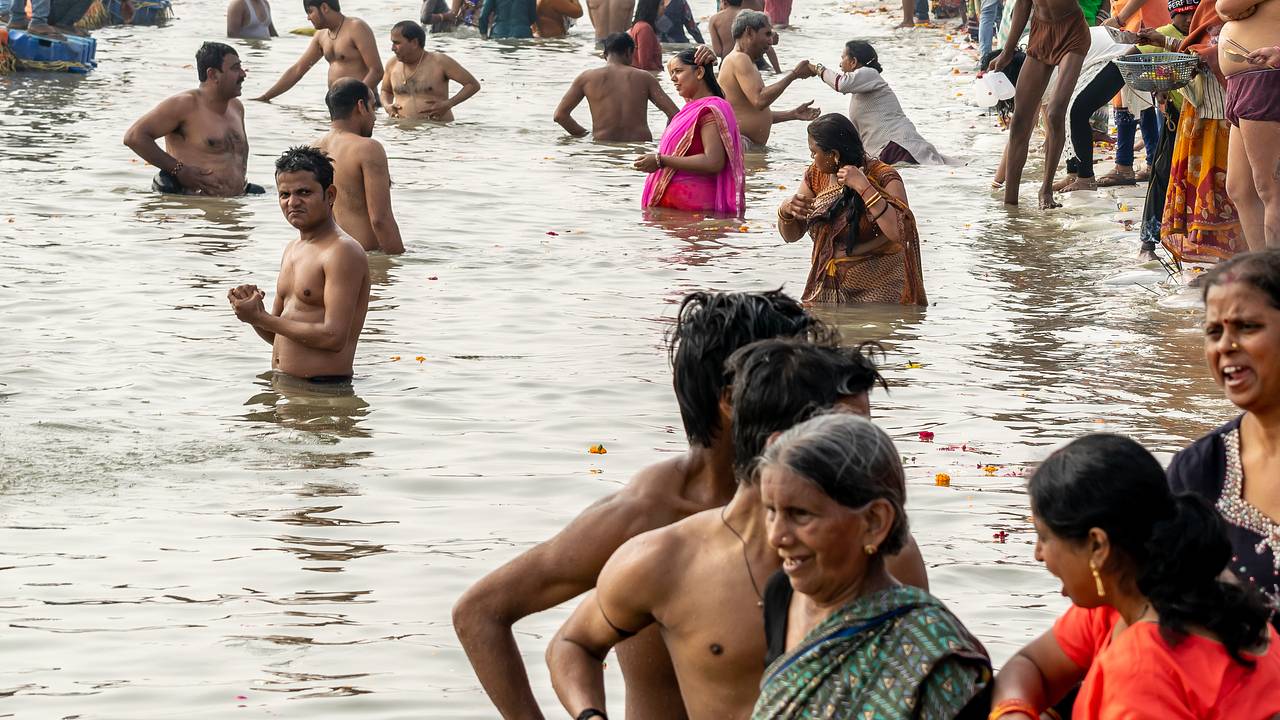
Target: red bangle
1006,707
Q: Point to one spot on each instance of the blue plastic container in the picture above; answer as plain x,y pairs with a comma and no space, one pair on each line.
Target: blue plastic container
34,52
145,12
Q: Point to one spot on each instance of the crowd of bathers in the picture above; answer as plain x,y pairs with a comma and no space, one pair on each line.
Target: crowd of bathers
771,571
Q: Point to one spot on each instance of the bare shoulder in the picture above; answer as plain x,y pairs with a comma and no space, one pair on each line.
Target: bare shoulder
370,149
345,252
185,101
391,63
362,29
657,552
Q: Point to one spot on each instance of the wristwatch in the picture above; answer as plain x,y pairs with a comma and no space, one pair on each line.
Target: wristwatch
591,713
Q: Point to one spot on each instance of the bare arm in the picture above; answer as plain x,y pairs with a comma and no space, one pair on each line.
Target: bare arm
277,307
377,197
1017,23
756,92
290,77
773,59
547,575
455,72
908,565
622,600
368,48
1040,673
235,18
661,99
564,111
716,45
886,215
388,95
160,121
344,274
712,158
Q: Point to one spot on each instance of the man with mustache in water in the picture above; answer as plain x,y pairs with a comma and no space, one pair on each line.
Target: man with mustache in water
417,82
700,581
617,94
362,177
346,42
206,148
709,327
745,90
322,293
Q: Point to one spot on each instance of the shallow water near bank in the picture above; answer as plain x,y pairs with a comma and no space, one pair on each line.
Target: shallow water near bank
185,535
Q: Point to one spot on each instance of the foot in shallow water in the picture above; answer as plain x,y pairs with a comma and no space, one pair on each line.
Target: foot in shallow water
1046,200
1121,175
1079,184
1064,182
1147,252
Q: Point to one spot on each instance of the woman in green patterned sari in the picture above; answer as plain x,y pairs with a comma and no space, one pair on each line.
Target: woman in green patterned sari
846,640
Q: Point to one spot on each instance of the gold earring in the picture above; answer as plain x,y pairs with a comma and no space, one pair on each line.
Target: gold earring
1097,579
869,549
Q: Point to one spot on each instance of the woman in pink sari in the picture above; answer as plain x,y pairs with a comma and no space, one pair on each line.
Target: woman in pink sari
698,165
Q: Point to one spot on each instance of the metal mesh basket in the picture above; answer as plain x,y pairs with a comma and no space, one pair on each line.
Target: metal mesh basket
1157,72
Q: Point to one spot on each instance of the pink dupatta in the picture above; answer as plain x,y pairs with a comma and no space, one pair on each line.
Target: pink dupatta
729,192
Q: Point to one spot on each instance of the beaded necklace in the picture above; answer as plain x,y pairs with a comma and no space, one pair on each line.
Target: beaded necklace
1238,511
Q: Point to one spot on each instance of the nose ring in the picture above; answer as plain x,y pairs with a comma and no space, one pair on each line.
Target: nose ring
1235,346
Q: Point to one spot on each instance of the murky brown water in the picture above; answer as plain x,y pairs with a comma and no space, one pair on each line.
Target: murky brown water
182,539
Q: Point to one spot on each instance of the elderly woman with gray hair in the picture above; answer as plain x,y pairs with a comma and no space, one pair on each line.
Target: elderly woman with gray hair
845,639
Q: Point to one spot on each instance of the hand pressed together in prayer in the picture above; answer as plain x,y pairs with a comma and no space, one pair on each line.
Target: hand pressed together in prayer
246,302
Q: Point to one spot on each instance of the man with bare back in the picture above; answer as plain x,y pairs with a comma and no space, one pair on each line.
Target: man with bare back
206,149
322,293
1249,56
610,16
345,42
361,175
700,581
745,89
417,82
720,27
708,328
1059,38
618,96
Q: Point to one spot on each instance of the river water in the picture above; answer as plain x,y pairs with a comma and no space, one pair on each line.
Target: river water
181,538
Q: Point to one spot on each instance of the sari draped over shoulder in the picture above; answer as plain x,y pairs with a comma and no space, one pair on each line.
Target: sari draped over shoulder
722,193
895,654
878,270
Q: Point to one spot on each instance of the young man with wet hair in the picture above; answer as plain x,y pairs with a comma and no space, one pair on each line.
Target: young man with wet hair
361,171
417,82
617,94
709,328
345,42
206,148
701,580
745,90
322,292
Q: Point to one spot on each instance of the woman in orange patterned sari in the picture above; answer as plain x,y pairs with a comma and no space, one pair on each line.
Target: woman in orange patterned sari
1200,222
865,245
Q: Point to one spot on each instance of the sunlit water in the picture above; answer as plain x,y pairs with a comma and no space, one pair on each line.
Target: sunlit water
181,538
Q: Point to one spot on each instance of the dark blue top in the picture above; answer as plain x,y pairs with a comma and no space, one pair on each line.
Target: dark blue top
674,21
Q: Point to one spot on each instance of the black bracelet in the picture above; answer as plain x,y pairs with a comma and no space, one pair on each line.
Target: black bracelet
591,713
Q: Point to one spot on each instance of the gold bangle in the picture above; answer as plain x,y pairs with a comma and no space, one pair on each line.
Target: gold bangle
876,197
785,216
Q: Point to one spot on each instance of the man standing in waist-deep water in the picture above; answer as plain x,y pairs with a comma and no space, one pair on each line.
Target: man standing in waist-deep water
322,293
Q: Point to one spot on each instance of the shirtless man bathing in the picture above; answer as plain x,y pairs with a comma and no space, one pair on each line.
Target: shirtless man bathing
618,96
417,82
206,149
700,581
345,42
709,327
322,293
720,28
745,89
361,175
1059,38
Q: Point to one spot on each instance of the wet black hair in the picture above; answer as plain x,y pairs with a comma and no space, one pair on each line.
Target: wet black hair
780,382
411,31
1172,547
333,4
305,158
1260,269
834,131
343,97
618,43
210,57
647,11
709,70
1011,71
864,53
733,3
712,326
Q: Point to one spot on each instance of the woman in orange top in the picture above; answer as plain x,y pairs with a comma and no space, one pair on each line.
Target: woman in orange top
1152,632
648,51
